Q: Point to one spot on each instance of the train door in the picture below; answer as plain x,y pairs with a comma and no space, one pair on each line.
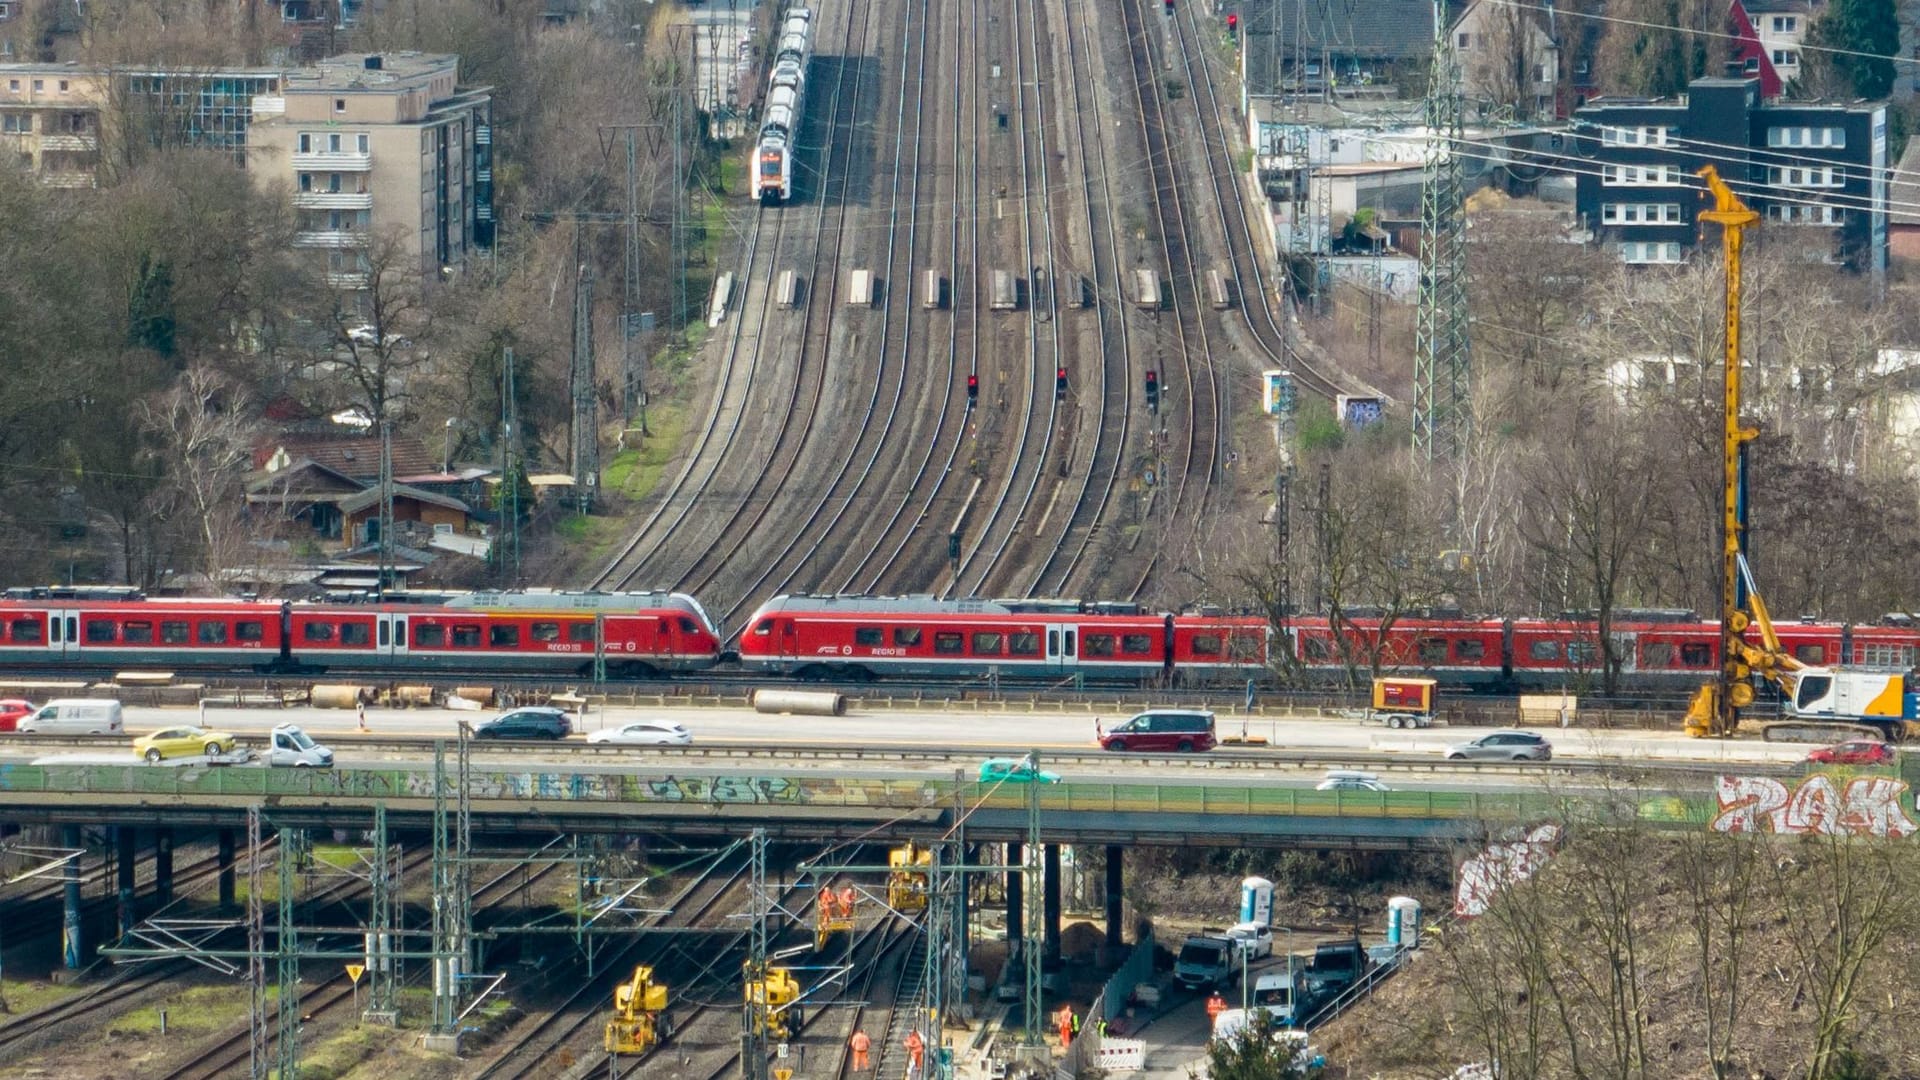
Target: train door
663,638
63,634
1063,647
391,636
788,645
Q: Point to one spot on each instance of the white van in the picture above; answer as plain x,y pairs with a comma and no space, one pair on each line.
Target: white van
74,716
289,747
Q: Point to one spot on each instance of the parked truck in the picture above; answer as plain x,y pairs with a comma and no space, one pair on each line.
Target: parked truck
1206,962
1335,966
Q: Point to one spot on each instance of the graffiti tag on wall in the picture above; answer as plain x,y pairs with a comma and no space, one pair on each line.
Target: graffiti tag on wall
1865,806
1483,876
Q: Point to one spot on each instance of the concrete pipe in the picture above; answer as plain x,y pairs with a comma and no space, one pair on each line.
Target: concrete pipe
481,694
413,696
337,697
800,702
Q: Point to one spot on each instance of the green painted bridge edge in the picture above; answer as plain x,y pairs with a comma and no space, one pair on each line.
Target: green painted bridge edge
771,790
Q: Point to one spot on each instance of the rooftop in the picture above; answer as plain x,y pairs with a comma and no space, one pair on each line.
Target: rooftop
391,71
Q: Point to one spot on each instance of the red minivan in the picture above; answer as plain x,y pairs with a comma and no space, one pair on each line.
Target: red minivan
1178,730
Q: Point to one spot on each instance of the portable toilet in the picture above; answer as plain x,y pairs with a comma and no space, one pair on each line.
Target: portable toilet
1403,922
1256,901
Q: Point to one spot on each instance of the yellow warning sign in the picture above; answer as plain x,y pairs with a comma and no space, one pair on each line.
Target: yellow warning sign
354,971
783,1074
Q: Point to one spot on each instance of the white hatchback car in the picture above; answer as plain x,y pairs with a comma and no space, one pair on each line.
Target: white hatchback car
1350,780
645,733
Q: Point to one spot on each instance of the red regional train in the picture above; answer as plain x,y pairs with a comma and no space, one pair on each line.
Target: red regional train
862,636
638,634
1670,651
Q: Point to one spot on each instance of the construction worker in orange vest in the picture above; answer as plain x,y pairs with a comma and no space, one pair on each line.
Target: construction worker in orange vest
861,1046
847,899
826,901
916,1055
1215,1006
1063,1021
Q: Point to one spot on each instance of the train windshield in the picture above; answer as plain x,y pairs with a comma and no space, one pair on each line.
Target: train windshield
770,165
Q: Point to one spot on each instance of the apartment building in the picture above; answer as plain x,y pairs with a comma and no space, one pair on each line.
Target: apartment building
50,121
1818,167
380,145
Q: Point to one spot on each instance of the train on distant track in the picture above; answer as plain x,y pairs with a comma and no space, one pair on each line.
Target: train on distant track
772,167
663,633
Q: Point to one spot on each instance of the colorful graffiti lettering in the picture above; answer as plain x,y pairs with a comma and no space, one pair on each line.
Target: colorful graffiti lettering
1866,806
725,789
1483,876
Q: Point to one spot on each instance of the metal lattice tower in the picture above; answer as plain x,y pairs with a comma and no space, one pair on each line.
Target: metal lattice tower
383,879
511,467
1032,910
287,952
256,954
1442,371
754,1017
452,910
586,411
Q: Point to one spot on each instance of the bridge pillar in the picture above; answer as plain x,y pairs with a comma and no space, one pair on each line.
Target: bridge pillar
1016,911
1116,908
226,868
162,867
126,841
1050,860
72,946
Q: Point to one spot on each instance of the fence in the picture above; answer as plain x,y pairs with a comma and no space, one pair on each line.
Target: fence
1108,1004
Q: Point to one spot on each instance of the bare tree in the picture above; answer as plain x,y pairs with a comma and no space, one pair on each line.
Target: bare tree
1511,59
201,442
1721,876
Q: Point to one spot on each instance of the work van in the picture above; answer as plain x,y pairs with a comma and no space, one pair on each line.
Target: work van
74,716
1179,730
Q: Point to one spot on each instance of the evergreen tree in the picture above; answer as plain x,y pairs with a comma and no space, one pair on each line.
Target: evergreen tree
1258,1052
1863,35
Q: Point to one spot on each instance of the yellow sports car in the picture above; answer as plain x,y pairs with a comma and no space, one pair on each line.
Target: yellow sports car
187,741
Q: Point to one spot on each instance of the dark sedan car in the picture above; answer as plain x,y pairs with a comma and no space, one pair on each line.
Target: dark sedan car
537,722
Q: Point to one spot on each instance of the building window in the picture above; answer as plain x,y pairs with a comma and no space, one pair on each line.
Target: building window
17,124
306,143
339,104
1640,213
1785,24
1463,41
63,86
1649,252
1834,137
306,181
1798,214
1786,58
6,11
1822,176
13,85
39,85
1640,175
1648,135
333,144
362,140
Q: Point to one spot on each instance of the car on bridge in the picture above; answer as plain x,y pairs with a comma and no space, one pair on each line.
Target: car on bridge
1503,746
187,740
644,733
532,722
1350,780
14,710
1851,752
1014,771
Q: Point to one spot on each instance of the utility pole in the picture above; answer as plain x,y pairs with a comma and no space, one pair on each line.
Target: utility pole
585,426
386,505
755,1018
511,468
1442,372
1282,404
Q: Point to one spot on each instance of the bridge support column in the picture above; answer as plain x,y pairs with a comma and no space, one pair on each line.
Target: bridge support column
72,946
162,867
1050,868
226,868
1016,910
1116,907
126,843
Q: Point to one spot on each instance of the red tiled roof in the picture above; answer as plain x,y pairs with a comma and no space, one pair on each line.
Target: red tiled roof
358,457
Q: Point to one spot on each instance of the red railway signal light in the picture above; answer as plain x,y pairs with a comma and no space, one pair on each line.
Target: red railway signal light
1153,390
1233,25
973,390
1060,382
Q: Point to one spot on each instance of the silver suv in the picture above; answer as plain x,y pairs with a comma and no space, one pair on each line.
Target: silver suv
1503,746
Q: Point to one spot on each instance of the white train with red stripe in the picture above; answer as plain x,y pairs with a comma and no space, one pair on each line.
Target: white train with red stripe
540,632
863,636
772,168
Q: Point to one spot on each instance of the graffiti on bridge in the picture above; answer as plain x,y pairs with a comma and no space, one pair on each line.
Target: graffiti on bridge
1819,804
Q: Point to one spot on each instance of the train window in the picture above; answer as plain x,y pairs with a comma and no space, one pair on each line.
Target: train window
986,643
1027,643
430,637
1433,650
764,628
1544,650
383,633
906,636
1698,654
174,633
686,625
249,631
400,632
1096,645
1244,646
466,637
26,630
137,633
317,631
1810,654
949,643
1470,649
1656,654
503,637
545,631
355,633
869,637
1582,652
1206,644
1316,650
213,633
99,630
580,633
1136,644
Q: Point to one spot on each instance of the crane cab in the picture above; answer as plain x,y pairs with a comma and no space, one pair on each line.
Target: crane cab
639,1014
775,996
908,870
